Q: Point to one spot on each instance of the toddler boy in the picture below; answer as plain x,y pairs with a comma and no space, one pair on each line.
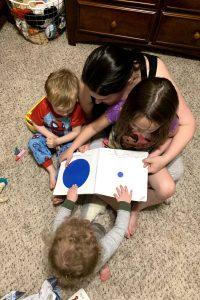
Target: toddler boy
57,119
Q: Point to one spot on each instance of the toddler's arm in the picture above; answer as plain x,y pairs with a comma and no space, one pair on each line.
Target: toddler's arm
44,131
89,131
67,207
54,142
112,240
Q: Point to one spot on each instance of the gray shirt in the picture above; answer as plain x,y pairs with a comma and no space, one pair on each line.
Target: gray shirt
112,239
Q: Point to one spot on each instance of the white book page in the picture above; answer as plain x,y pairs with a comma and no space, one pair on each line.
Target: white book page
91,156
123,167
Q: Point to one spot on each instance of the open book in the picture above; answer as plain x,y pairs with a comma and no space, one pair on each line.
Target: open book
100,171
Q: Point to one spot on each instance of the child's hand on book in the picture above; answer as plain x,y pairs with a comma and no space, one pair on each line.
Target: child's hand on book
72,193
155,164
123,194
67,155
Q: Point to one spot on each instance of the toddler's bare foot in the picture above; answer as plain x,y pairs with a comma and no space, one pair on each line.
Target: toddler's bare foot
52,181
105,273
52,176
132,223
57,200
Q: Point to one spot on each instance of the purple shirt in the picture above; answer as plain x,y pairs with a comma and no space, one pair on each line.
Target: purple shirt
113,112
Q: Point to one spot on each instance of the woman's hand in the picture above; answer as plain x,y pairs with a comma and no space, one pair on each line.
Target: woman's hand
72,193
67,155
155,164
123,194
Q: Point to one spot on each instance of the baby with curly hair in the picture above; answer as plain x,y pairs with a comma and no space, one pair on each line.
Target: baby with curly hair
80,247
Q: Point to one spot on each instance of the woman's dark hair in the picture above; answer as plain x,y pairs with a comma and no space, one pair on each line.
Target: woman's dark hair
108,69
157,100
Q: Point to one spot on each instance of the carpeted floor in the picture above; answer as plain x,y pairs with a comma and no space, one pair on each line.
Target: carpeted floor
161,261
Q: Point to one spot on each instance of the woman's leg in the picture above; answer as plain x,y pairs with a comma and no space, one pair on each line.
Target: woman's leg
162,187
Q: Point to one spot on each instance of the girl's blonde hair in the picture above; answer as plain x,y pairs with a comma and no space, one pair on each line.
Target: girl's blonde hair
74,251
62,88
157,100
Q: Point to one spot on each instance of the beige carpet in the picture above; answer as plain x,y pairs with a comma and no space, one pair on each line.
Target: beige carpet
161,261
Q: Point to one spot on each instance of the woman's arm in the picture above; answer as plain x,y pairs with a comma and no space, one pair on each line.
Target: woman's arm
85,100
89,131
185,133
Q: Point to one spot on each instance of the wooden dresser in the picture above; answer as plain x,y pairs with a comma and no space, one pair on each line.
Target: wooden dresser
148,24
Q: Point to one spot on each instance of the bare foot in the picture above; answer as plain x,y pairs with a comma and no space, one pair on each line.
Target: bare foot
132,223
57,200
52,176
105,273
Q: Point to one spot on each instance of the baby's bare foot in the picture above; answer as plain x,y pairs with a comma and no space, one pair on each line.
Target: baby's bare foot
132,224
105,273
57,200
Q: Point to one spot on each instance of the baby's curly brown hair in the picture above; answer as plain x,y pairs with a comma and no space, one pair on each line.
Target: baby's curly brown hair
75,251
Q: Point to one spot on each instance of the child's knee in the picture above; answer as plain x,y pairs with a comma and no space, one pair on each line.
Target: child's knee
167,189
36,142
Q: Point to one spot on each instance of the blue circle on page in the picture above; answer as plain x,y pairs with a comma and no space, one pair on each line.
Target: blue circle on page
120,174
76,172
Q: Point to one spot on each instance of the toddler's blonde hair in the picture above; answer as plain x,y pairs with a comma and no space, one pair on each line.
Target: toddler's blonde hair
62,89
74,251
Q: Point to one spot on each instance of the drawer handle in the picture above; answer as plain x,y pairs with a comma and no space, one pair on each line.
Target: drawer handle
197,35
113,24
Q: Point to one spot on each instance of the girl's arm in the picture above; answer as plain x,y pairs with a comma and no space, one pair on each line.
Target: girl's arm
44,131
89,131
187,124
54,142
161,149
85,100
185,133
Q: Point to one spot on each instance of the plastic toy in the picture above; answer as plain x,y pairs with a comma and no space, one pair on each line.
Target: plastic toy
20,155
28,120
3,183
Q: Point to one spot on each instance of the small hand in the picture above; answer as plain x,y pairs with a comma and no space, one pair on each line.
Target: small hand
67,155
72,193
154,164
84,148
52,142
123,194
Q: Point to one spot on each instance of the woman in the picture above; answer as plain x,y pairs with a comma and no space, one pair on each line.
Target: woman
109,75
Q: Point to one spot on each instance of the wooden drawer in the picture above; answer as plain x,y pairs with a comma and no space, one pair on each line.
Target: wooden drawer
189,5
115,21
138,3
179,30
